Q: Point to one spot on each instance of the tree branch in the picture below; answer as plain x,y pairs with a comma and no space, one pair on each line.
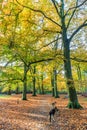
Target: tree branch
77,30
71,18
52,31
77,6
10,80
39,11
19,55
78,60
48,59
8,62
41,60
48,44
54,3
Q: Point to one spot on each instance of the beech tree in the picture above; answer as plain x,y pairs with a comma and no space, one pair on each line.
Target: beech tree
68,14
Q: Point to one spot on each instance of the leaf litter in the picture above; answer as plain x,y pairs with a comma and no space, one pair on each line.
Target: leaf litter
33,114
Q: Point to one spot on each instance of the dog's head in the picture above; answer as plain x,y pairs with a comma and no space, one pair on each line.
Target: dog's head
56,109
53,103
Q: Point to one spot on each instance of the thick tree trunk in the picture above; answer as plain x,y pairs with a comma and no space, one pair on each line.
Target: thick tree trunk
24,97
73,100
34,82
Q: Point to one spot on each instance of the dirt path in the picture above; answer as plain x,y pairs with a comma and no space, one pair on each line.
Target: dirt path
33,114
26,115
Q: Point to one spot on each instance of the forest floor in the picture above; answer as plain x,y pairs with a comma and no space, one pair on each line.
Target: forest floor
16,114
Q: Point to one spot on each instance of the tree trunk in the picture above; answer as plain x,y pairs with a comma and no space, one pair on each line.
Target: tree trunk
52,84
39,88
42,88
73,100
9,90
17,89
24,97
55,84
79,78
34,81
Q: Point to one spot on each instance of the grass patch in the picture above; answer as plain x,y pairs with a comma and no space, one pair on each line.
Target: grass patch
4,96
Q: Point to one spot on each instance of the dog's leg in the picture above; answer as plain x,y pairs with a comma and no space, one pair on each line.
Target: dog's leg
50,117
53,117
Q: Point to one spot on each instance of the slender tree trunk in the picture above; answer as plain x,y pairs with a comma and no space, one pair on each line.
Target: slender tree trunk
42,87
55,84
24,97
34,82
52,84
54,75
85,81
79,78
9,90
17,89
39,88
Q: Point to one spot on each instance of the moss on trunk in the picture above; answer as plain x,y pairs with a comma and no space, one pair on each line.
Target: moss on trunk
74,105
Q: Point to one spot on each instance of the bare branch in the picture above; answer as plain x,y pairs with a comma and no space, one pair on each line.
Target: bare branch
10,61
52,31
54,3
77,6
71,18
41,60
48,44
78,59
39,11
77,30
19,55
10,80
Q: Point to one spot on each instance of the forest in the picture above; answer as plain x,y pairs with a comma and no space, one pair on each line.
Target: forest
43,52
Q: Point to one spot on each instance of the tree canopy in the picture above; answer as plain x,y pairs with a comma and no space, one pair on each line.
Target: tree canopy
38,33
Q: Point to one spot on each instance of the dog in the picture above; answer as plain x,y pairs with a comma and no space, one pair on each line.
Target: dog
52,113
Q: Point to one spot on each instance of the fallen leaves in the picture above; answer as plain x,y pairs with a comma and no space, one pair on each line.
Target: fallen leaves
33,114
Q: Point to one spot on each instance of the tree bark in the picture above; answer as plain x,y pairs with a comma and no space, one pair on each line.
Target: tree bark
9,90
52,84
39,87
55,84
24,96
42,87
34,81
17,90
79,78
73,100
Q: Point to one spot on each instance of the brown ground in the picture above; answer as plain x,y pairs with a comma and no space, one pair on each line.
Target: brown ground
33,114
